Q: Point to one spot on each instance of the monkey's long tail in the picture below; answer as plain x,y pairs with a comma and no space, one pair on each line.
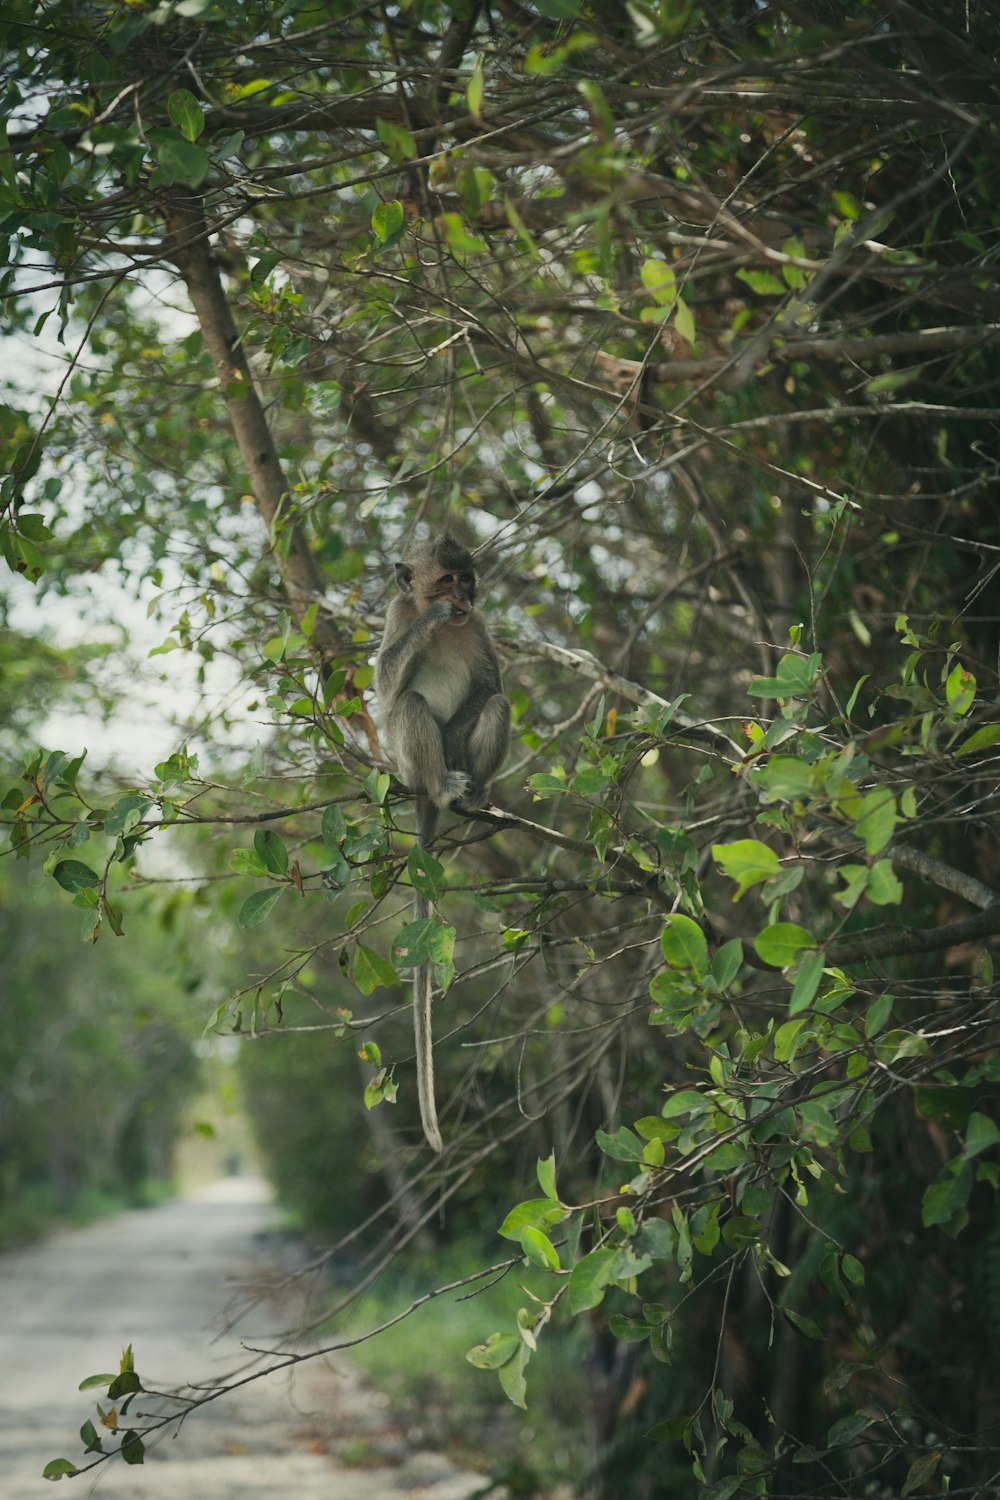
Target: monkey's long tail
423,983
423,980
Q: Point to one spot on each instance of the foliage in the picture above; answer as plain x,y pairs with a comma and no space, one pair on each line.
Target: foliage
95,1065
688,312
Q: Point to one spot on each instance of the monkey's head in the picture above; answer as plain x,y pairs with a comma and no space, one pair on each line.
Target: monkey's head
440,569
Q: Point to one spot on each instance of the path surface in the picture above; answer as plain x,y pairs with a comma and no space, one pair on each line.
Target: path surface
166,1279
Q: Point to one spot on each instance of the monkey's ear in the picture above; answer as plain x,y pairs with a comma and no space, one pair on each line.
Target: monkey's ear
404,577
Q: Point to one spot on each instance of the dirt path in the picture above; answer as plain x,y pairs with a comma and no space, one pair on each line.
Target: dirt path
163,1279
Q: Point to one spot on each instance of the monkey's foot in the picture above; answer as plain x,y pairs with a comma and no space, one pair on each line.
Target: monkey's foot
475,795
454,788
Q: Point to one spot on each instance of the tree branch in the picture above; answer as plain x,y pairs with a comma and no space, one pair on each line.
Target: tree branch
586,665
898,942
946,876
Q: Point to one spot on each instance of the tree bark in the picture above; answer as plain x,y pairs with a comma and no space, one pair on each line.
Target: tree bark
187,246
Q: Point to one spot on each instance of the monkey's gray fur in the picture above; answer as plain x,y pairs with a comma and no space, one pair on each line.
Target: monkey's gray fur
447,723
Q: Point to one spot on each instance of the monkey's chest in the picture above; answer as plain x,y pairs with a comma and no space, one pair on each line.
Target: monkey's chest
443,679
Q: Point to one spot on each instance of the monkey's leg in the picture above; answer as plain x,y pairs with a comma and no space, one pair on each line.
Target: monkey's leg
419,752
488,741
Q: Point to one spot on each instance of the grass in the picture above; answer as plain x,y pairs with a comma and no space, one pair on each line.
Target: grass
36,1212
446,1402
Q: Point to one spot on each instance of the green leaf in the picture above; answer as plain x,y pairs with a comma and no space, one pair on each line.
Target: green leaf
808,974
683,944
588,1279
546,1173
539,1248
127,813
652,1128
182,161
981,1133
337,877
919,1472
511,1376
601,117
371,971
380,1088
73,875
658,278
388,222
185,112
847,1429
124,1384
271,849
262,268
781,943
794,678
537,1213
475,186
333,828
670,1430
400,142
93,1382
762,282
247,862
804,1325
133,1450
496,1351
684,1102
426,874
547,784
853,1270
785,778
960,690
422,941
947,1197
684,320
877,1016
547,59
982,739
884,888
459,237
747,861
474,91
876,819
88,1437
624,1145
656,1239
785,1040
727,963
794,276
258,906
58,1468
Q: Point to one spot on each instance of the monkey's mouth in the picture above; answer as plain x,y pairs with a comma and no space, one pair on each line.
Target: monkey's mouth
459,616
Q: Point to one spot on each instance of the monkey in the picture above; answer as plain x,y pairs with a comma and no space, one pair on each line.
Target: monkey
447,723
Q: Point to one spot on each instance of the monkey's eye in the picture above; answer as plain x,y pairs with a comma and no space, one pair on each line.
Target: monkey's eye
447,578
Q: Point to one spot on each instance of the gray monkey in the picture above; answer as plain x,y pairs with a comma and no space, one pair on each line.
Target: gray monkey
447,723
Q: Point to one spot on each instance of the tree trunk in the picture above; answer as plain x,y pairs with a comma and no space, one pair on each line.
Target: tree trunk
188,248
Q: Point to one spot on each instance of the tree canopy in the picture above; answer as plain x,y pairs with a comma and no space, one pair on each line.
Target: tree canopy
685,316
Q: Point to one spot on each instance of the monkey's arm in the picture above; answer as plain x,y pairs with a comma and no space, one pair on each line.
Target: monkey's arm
405,638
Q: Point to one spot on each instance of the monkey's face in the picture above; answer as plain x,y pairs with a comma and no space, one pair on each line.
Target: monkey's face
459,589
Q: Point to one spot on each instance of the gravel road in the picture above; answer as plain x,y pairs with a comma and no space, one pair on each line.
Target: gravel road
167,1279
